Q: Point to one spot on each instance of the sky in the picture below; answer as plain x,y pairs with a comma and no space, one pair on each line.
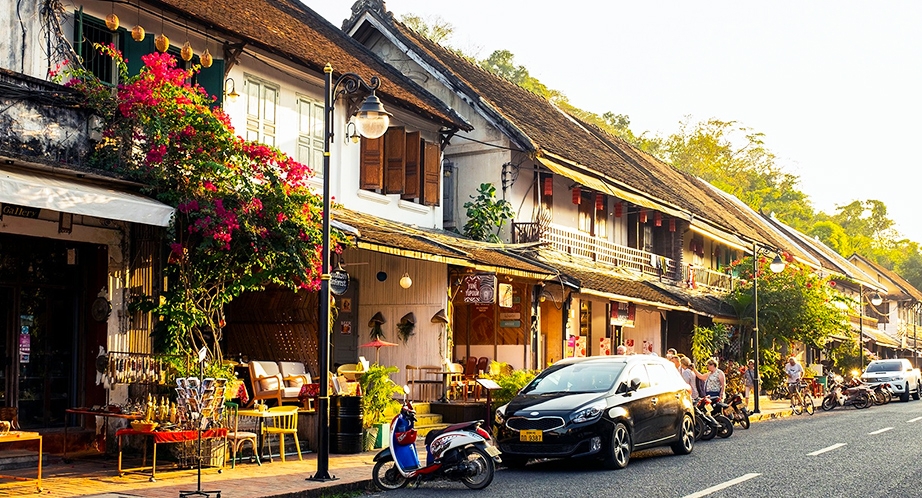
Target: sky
833,85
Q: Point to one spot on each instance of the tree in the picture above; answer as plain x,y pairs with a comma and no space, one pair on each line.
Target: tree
486,214
245,215
501,63
434,28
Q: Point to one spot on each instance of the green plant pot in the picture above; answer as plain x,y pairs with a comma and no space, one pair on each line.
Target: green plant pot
384,436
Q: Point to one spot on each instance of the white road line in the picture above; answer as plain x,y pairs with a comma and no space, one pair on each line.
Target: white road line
913,420
885,429
714,489
828,448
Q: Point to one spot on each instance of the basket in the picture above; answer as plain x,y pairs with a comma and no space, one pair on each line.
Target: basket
140,425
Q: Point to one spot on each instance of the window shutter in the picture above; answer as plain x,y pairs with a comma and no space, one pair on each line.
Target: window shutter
134,50
371,174
212,80
395,145
432,173
414,151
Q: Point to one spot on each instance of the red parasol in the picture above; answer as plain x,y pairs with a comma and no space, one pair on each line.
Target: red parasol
377,344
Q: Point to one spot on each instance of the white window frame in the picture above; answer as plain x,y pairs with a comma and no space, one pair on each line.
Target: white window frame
262,105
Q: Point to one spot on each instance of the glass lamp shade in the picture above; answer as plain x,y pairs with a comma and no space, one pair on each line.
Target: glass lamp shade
112,22
876,299
406,281
137,33
372,120
777,265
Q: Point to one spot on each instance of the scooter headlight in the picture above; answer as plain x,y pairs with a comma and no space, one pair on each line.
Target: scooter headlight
589,413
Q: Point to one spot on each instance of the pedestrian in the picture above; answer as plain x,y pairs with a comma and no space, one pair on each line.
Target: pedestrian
795,373
749,381
688,375
715,382
673,356
621,349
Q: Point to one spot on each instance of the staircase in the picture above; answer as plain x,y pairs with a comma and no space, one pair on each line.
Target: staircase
426,420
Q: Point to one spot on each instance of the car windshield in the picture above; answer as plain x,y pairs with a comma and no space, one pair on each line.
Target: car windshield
885,366
576,378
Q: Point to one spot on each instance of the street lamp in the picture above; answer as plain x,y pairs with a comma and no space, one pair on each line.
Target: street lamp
875,301
371,121
776,266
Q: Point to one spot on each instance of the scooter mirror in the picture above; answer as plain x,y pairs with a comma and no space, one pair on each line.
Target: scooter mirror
406,389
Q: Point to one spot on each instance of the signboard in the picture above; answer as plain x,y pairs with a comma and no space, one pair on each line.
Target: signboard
623,314
21,211
479,289
505,296
339,282
510,324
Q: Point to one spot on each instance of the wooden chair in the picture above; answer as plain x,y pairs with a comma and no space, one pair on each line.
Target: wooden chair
295,375
284,421
431,380
235,437
267,381
456,384
414,376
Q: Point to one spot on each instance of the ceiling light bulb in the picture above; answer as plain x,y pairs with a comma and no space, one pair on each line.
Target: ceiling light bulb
406,281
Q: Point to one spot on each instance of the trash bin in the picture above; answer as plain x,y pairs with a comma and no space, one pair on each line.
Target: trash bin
345,424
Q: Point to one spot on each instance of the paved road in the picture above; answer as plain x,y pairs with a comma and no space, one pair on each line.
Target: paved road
875,452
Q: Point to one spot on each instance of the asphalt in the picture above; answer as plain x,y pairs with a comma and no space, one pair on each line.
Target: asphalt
97,477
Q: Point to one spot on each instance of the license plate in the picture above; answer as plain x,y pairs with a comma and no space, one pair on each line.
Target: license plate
531,436
493,451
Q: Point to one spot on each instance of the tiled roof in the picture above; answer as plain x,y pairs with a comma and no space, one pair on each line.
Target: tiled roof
296,33
894,277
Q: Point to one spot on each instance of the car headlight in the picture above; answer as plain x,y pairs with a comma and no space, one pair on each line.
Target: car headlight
500,416
589,413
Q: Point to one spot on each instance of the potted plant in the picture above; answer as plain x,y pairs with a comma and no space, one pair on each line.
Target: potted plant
377,398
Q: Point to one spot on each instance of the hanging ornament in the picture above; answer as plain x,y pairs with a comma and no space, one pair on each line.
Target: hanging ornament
643,215
137,33
548,186
599,202
186,52
162,43
112,22
576,195
206,59
658,219
619,206
672,224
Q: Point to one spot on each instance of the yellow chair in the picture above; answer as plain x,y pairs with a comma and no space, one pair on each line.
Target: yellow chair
350,371
284,420
236,437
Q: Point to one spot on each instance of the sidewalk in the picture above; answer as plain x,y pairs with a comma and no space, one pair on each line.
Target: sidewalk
97,477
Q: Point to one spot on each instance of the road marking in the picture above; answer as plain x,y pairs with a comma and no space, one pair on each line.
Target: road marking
885,429
828,448
714,489
914,420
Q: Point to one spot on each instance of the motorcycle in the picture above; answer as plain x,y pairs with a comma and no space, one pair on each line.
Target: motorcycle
733,409
460,452
855,394
710,424
882,393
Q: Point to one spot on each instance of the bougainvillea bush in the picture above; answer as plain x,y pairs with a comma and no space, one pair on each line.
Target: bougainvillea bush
245,216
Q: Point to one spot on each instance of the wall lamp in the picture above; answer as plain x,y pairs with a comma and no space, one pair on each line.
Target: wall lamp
230,90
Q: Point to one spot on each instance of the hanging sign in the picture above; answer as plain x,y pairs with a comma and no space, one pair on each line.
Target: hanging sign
623,314
339,282
479,289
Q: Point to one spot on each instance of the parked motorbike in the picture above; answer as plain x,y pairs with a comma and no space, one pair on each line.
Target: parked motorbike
882,393
709,424
461,452
840,394
733,409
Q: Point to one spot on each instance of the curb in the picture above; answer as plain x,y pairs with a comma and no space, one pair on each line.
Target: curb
330,490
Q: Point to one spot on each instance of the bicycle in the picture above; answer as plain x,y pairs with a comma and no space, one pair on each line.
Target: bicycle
801,401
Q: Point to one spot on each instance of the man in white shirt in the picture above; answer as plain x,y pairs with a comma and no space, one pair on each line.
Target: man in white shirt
795,373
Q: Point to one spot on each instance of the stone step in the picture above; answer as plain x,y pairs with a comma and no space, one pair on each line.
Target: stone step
20,459
422,430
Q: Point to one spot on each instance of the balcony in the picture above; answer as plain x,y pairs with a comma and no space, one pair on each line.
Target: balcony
583,245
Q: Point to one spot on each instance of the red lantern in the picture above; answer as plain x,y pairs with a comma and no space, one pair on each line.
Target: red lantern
618,209
548,186
577,197
643,215
658,219
672,224
599,202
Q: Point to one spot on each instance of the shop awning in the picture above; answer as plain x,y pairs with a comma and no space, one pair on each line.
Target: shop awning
67,196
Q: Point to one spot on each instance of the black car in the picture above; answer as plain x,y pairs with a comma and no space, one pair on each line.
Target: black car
603,407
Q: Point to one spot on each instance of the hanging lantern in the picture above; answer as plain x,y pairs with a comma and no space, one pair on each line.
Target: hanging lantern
643,215
162,42
206,59
619,206
658,219
577,196
548,186
672,224
599,202
112,22
186,52
137,33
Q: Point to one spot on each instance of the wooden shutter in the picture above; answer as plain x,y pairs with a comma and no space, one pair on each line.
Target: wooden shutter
413,154
395,145
432,173
371,174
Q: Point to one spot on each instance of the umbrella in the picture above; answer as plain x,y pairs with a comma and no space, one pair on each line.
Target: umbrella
377,344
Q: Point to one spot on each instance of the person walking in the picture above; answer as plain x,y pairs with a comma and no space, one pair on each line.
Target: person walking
715,382
749,380
688,375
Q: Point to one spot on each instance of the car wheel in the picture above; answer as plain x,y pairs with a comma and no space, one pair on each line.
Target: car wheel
619,449
513,461
905,396
686,441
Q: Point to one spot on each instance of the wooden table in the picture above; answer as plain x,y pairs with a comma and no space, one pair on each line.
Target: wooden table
16,436
96,413
261,417
161,437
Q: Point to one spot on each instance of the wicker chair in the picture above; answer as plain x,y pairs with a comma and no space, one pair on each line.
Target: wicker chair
235,437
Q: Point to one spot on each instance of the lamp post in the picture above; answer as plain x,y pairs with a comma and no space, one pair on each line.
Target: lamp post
370,121
777,266
875,301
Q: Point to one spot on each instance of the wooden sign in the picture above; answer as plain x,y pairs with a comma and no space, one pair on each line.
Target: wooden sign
479,289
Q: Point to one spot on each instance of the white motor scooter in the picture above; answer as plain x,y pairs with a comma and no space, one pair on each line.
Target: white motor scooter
463,452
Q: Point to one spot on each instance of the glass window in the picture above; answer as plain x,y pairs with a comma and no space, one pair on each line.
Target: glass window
310,133
658,374
579,377
639,372
262,100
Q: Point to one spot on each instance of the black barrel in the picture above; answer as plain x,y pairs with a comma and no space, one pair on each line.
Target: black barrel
345,424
